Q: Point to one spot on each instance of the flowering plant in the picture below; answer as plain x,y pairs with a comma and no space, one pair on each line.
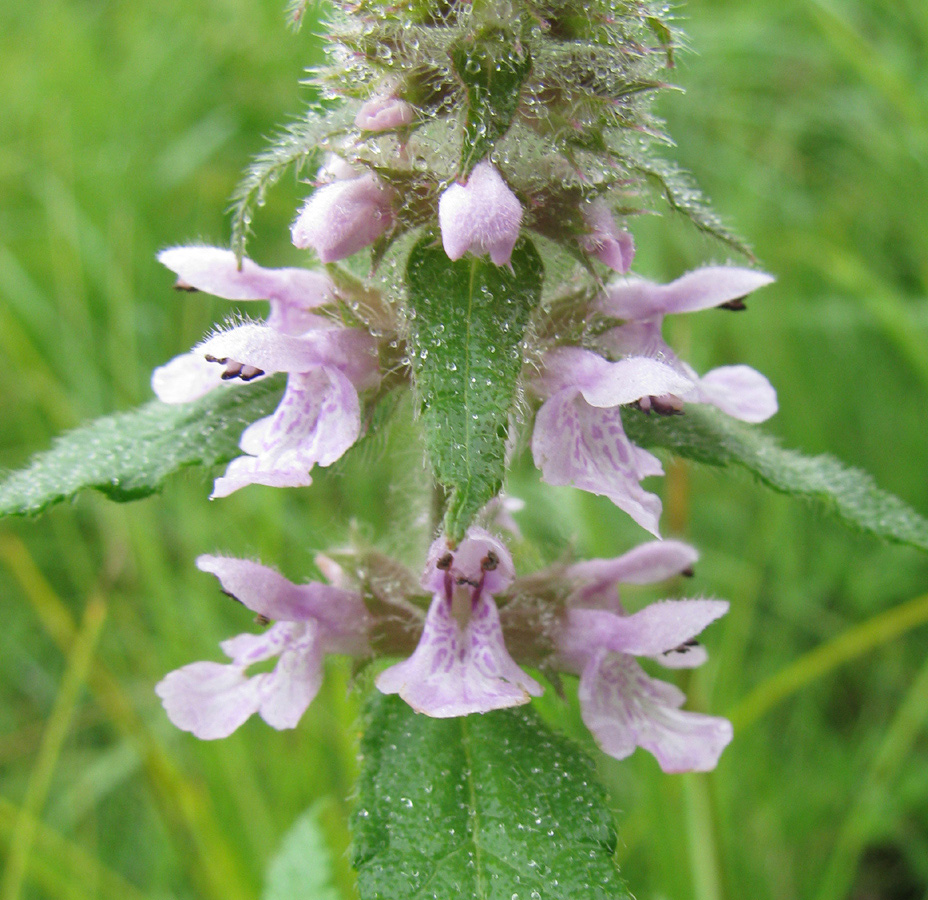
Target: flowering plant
474,175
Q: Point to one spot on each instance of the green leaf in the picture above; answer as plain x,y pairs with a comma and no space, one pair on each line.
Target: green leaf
129,455
467,320
493,806
302,868
708,436
493,65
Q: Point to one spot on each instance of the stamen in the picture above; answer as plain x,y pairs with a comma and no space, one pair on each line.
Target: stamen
665,405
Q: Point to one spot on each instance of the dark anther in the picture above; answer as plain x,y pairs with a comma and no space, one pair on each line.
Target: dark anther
262,620
236,369
685,647
216,359
688,572
462,580
489,562
249,372
444,562
736,305
181,285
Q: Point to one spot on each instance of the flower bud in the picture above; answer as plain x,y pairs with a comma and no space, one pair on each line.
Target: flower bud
605,241
343,217
384,114
482,216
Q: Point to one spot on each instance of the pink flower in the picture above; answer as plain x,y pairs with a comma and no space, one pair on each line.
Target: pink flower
319,416
461,665
578,438
292,293
344,216
605,241
481,216
621,705
739,391
211,700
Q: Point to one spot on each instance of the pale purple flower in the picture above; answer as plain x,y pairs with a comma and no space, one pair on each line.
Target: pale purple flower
481,216
212,700
578,438
292,293
739,391
461,664
384,113
605,240
319,416
622,706
344,217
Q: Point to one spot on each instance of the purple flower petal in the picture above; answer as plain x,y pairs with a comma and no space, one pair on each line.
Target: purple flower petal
343,217
348,349
292,292
185,378
208,699
575,443
269,594
647,563
638,299
605,383
317,420
458,670
482,216
624,709
295,681
739,391
659,628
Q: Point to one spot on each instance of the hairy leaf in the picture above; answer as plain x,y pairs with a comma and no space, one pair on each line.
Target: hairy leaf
467,320
681,194
495,807
297,146
708,436
130,454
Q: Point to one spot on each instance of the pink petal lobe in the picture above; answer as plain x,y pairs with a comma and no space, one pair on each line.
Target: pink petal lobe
482,216
317,420
575,443
455,670
208,699
296,679
659,628
739,391
624,708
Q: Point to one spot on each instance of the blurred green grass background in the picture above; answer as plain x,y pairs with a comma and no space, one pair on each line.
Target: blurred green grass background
123,129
